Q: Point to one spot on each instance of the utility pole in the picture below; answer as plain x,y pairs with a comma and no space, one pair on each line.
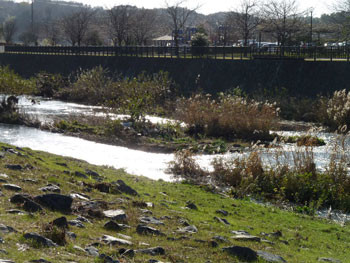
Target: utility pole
32,7
310,26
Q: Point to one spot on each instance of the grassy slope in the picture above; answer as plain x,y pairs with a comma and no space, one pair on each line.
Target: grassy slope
308,238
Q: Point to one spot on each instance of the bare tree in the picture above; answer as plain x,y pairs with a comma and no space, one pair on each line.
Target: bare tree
246,18
179,16
9,29
76,25
282,19
143,25
119,21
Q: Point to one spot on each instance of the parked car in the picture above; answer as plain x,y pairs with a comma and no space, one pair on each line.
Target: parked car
269,47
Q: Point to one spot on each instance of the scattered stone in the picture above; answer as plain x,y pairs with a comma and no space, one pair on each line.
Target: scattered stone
40,239
184,222
144,230
124,188
188,229
130,253
2,251
240,232
276,234
243,253
1,241
12,187
79,248
107,259
76,223
103,187
116,215
93,174
92,251
83,219
39,261
15,167
109,240
146,211
152,251
6,229
220,239
223,212
55,202
81,175
191,205
31,206
3,181
270,257
329,260
221,220
150,220
15,211
246,238
51,188
111,225
140,204
150,204
71,235
6,261
60,222
213,243
62,164
20,198
80,196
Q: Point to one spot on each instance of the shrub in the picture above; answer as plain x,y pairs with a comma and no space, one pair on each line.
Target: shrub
338,109
47,85
12,83
228,116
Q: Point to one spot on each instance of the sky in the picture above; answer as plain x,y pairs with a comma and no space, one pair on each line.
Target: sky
209,6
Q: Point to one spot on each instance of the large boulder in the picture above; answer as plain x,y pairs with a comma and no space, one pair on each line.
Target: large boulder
56,202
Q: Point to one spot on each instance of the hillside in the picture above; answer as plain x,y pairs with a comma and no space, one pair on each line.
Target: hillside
57,209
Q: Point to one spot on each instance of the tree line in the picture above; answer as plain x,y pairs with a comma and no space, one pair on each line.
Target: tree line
61,23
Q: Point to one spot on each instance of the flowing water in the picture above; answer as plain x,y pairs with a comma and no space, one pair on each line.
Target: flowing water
151,165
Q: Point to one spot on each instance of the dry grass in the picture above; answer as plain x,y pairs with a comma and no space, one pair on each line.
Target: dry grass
228,116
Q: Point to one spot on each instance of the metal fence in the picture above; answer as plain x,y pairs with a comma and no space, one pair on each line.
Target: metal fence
211,52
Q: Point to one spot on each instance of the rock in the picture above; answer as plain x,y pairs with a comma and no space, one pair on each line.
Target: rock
71,235
1,241
144,230
220,239
3,251
268,257
60,222
20,198
276,234
43,241
6,261
146,211
79,248
139,204
111,225
7,229
93,174
243,253
221,220
109,240
191,205
40,261
124,188
152,251
329,260
31,206
103,187
107,259
184,222
150,220
50,188
80,196
15,167
3,181
130,253
76,223
55,202
116,215
223,212
188,229
12,187
92,251
213,243
246,238
240,232
80,174
15,211
83,219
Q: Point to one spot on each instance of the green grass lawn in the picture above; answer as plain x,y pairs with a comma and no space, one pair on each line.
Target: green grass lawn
304,238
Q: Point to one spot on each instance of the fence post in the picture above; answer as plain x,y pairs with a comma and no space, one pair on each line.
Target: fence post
331,53
347,53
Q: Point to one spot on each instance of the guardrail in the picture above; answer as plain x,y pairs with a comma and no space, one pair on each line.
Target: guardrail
210,52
